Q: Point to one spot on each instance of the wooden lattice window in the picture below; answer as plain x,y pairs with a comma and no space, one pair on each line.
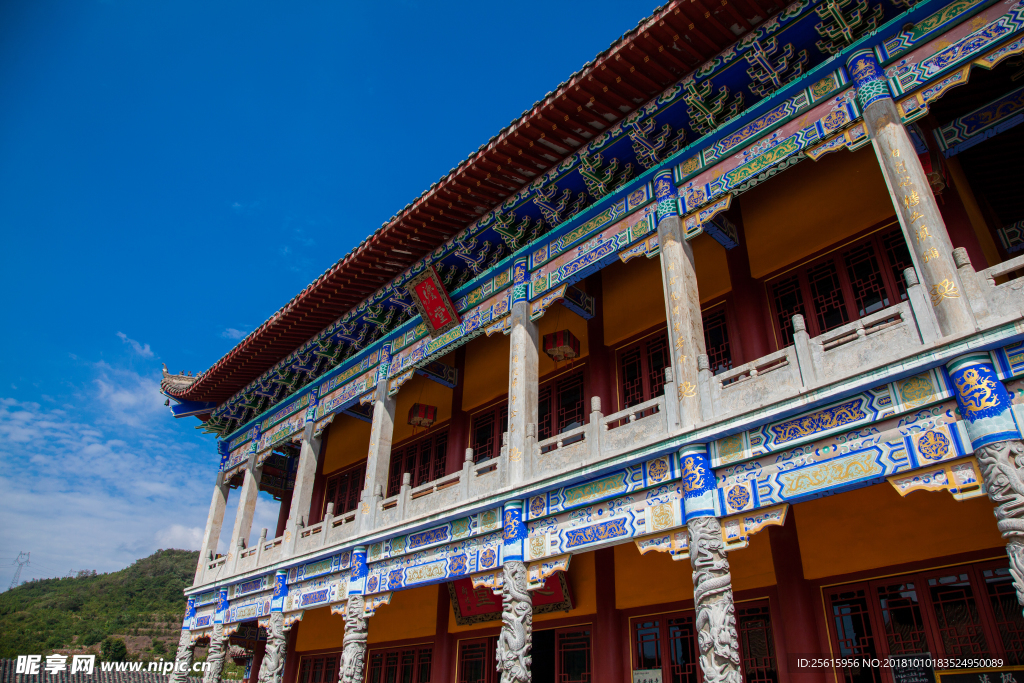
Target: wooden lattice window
486,429
319,669
642,369
856,280
669,642
424,458
965,611
343,489
572,655
716,340
400,665
561,405
476,662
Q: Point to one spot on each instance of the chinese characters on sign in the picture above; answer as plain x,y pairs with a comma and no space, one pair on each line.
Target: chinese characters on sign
432,300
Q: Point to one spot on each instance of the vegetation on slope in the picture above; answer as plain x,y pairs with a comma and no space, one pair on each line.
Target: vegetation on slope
142,604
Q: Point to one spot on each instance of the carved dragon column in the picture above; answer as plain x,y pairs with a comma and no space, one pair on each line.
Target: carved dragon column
923,227
353,652
185,655
986,408
379,458
523,387
682,302
717,637
272,667
218,641
516,638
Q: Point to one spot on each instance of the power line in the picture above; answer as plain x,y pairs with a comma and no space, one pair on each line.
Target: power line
21,563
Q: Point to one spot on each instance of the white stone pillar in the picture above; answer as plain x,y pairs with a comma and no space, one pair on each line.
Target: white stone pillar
353,652
185,655
682,302
214,521
515,641
218,642
378,460
246,508
305,475
717,637
523,381
987,410
923,227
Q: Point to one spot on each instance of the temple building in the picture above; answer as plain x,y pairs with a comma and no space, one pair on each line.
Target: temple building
709,363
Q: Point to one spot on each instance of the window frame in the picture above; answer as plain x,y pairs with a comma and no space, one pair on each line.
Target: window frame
438,459
347,471
498,412
334,656
877,237
417,648
986,616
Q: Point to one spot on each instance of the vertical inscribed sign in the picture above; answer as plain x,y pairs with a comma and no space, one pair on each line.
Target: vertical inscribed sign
433,302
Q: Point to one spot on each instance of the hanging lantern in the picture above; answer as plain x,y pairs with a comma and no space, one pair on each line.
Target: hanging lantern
561,345
422,415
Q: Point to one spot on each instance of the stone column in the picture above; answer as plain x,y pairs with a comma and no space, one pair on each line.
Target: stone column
516,638
986,409
379,458
305,474
214,521
712,585
218,642
246,507
919,215
523,387
272,667
682,303
353,648
185,655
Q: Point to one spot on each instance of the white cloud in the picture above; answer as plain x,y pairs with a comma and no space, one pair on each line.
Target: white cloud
143,351
233,333
178,536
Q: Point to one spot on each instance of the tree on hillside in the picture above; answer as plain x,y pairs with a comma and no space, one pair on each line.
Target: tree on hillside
114,650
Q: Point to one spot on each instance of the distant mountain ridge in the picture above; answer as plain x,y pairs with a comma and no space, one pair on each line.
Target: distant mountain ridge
143,604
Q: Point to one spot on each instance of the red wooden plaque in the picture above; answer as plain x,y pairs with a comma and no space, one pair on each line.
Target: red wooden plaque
433,302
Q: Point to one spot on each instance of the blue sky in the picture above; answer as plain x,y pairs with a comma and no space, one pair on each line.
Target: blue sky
171,173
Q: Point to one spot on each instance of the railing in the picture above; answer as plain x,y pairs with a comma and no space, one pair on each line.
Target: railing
873,341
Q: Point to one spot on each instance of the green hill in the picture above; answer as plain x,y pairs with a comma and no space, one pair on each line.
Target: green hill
142,604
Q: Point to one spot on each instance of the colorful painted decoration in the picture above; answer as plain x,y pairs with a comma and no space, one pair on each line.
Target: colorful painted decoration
422,415
561,345
433,302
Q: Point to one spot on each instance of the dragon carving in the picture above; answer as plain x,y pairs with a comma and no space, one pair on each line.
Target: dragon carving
215,655
1002,466
516,637
353,651
183,658
712,594
272,667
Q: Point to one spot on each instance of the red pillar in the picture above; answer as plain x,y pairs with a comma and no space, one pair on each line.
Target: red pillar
458,432
600,362
291,657
444,655
607,624
258,651
798,632
282,515
751,337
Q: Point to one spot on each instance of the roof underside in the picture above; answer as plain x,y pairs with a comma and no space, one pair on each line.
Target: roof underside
677,39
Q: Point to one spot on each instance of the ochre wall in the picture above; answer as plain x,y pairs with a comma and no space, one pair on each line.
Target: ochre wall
320,630
560,318
348,442
486,375
873,527
419,389
656,578
411,614
812,205
711,266
583,581
633,298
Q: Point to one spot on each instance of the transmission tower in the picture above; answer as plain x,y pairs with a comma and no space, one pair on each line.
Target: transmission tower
21,563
